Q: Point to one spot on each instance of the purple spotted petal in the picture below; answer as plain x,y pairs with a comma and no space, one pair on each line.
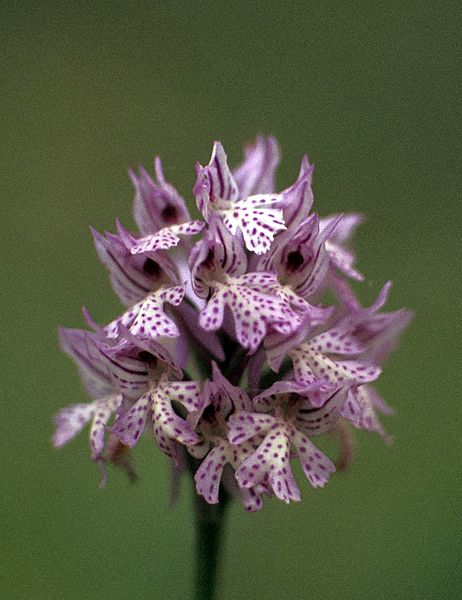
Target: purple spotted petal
146,318
187,393
337,341
361,411
245,425
316,466
166,238
104,409
270,463
208,475
168,422
253,313
210,472
311,365
130,425
257,221
168,446
72,419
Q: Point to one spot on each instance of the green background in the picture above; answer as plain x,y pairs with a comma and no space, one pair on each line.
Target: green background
371,92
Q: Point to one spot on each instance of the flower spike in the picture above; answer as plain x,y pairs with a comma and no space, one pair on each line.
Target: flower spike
238,348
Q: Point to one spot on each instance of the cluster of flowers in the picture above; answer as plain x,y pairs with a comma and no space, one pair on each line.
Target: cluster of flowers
239,307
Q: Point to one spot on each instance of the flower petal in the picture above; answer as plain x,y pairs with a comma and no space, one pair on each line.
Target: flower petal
104,409
214,182
256,174
258,225
316,466
80,345
314,420
130,425
270,463
187,393
166,238
146,318
156,205
70,420
245,425
208,475
166,420
336,341
132,277
253,313
298,198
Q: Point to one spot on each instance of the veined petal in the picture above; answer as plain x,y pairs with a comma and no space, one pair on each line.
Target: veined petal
256,174
345,227
128,373
157,204
132,277
219,252
298,199
314,420
340,256
264,401
316,466
80,346
214,182
145,351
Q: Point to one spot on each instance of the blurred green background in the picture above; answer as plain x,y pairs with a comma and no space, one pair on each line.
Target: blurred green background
371,91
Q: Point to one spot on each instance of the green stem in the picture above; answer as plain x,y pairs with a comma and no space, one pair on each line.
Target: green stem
208,536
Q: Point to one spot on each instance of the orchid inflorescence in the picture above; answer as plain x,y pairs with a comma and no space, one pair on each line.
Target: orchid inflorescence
225,353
